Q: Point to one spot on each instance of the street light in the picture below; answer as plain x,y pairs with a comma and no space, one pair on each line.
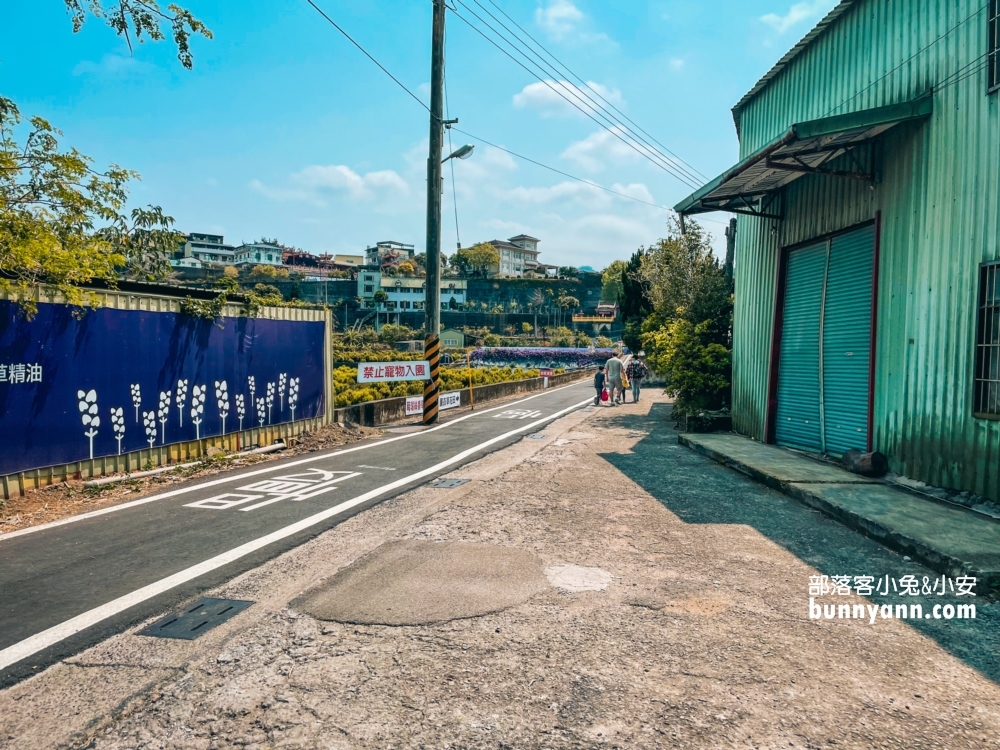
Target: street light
463,152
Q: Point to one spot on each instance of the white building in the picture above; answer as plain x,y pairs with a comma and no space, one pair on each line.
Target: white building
517,255
406,293
257,254
388,252
200,248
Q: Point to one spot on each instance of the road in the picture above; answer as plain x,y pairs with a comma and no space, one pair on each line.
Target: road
66,586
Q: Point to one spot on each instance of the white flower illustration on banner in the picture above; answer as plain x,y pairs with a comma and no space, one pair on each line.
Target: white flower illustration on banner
241,409
252,387
136,400
270,400
222,398
282,379
118,424
149,422
293,395
163,412
198,408
261,411
182,394
88,415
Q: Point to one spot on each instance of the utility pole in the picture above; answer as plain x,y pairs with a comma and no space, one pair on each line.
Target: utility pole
730,250
432,298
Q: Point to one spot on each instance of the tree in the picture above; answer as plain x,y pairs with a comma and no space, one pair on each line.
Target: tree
634,303
142,18
611,281
476,260
569,272
264,272
407,268
231,272
526,328
688,335
62,222
604,342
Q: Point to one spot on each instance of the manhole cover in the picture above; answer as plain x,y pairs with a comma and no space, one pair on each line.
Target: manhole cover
537,436
196,619
445,483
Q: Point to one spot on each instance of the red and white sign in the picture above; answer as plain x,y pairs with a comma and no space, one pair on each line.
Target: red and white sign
414,405
545,373
384,372
449,400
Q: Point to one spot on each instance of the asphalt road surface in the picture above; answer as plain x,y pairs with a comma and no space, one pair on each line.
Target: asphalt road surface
68,585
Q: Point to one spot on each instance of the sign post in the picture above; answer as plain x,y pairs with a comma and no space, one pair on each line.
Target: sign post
545,375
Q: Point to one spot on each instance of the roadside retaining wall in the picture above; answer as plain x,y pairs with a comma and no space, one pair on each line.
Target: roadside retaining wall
388,410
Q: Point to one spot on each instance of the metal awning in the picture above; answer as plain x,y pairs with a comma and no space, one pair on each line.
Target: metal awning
752,186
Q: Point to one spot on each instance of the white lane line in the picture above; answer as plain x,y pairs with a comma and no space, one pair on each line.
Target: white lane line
224,480
32,645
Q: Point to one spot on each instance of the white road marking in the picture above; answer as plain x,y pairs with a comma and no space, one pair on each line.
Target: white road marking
40,641
237,478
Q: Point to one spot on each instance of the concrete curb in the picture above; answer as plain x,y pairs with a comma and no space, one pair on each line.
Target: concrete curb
935,559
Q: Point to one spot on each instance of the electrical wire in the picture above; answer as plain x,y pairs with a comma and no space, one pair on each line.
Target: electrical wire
665,164
677,159
451,146
580,94
483,140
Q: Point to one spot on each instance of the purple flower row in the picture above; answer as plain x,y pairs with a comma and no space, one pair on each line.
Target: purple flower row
552,357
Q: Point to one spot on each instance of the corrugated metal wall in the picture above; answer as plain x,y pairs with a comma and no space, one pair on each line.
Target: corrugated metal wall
939,202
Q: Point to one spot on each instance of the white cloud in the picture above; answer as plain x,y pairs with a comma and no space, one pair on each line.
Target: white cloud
112,65
578,192
553,98
676,63
559,18
563,21
796,14
312,183
600,148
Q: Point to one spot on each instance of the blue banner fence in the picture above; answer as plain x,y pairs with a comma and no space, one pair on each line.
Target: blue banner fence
136,383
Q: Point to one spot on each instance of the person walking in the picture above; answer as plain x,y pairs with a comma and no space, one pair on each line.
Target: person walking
599,385
636,370
613,367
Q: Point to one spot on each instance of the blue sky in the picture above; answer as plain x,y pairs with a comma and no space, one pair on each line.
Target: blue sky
284,129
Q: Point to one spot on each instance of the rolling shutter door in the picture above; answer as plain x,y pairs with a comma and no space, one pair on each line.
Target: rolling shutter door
847,341
798,418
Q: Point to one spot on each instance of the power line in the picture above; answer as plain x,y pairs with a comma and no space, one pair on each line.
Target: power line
483,140
665,164
399,83
589,108
691,169
578,93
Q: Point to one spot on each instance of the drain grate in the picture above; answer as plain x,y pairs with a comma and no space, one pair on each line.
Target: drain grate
537,436
196,619
445,483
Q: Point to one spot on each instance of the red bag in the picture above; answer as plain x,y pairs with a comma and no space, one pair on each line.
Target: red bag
605,395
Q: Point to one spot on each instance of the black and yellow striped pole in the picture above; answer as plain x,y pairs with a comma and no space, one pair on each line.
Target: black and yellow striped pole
432,353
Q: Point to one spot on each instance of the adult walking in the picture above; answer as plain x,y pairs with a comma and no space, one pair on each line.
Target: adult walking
613,368
636,370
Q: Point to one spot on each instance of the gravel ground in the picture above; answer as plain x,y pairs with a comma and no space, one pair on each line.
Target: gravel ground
675,616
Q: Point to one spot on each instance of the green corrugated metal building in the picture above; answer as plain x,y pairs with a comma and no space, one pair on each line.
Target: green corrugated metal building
868,200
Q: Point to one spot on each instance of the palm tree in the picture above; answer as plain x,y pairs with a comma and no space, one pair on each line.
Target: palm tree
535,302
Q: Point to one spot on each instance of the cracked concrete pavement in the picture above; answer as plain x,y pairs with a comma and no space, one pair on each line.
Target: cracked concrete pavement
640,630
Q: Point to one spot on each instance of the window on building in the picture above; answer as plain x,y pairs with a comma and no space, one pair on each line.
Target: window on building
404,305
369,289
987,384
993,46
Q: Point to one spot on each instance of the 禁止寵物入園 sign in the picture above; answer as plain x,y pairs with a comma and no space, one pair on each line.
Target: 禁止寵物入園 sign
384,372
